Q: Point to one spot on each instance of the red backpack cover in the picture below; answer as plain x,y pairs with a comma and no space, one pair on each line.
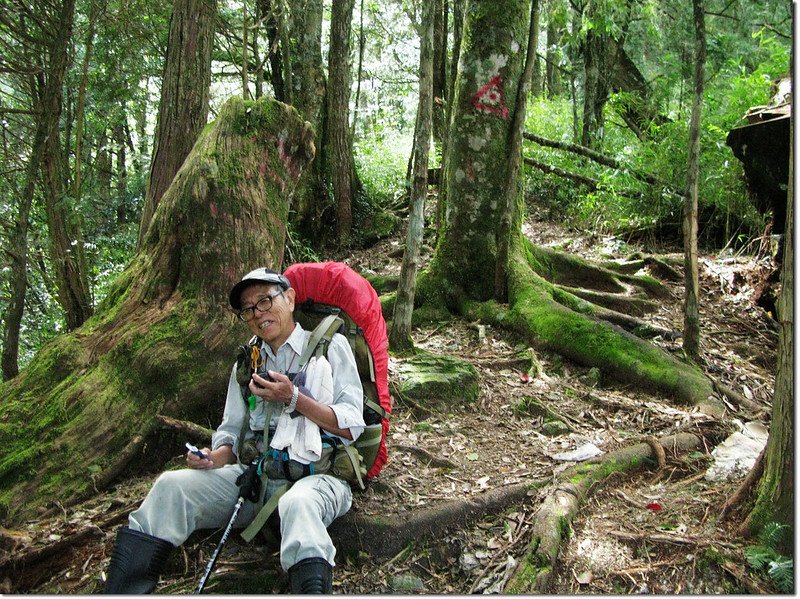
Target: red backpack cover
336,284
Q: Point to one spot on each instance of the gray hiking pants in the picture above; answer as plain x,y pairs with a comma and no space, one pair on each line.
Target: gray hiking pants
182,501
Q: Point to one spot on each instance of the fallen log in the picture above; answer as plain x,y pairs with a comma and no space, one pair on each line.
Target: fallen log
552,521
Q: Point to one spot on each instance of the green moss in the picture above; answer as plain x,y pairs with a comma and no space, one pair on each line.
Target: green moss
710,556
592,343
382,283
533,567
429,313
436,382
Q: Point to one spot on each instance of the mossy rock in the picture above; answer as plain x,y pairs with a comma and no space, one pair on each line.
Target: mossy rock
378,225
431,383
554,428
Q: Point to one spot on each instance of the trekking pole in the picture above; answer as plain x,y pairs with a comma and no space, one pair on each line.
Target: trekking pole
224,538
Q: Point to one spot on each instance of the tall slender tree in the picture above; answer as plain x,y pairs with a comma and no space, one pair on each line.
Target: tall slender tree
691,308
183,108
339,150
63,221
400,331
439,68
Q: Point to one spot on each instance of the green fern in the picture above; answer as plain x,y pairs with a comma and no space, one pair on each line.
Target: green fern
763,557
773,534
759,557
781,571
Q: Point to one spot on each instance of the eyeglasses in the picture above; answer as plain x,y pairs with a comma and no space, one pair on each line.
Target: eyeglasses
262,305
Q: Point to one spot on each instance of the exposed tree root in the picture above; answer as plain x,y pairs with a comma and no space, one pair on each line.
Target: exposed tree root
745,488
737,398
565,269
634,325
658,266
23,557
535,312
553,519
635,306
382,538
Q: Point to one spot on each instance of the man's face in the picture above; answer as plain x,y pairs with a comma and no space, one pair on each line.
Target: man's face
276,324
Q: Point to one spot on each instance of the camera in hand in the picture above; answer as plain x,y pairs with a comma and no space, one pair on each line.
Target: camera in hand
264,375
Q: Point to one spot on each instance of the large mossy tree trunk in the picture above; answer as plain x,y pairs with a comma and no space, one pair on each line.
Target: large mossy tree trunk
461,273
162,341
775,498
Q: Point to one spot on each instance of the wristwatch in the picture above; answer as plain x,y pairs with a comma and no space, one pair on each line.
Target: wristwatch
292,405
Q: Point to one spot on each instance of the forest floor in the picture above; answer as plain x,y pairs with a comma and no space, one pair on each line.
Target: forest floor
638,533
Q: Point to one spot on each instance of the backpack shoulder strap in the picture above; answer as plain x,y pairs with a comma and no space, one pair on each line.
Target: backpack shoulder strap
320,338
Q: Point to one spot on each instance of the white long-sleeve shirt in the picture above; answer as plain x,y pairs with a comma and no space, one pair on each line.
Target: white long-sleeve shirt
348,395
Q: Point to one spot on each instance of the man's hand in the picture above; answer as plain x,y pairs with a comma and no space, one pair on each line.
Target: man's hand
198,463
278,390
216,459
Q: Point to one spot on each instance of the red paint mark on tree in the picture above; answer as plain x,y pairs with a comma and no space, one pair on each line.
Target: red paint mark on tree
214,209
491,98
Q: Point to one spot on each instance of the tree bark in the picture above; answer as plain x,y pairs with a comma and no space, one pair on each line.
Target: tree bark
63,221
122,168
552,73
478,144
536,74
511,214
691,307
400,331
18,244
439,68
596,88
80,111
271,25
775,499
309,98
458,27
338,153
359,72
183,108
245,58
161,343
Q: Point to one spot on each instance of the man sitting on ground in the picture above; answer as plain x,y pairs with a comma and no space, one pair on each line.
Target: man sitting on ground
203,495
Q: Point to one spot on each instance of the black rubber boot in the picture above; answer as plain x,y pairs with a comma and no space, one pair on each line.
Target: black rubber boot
136,563
311,576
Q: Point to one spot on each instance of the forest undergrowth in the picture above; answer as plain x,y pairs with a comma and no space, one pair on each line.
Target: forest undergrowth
655,531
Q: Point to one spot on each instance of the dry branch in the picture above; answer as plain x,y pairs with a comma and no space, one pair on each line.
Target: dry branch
594,156
195,432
